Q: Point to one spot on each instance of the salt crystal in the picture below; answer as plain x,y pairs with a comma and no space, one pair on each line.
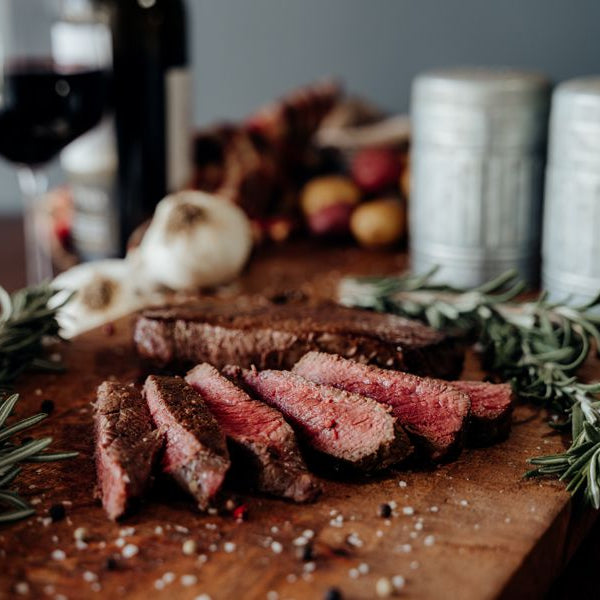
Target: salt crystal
158,530
189,547
159,584
308,534
276,547
229,547
95,587
81,533
168,577
274,529
402,484
419,525
383,588
310,567
464,503
406,548
379,533
429,540
398,582
58,555
202,597
120,542
272,595
300,541
353,573
22,588
363,568
129,551
188,580
127,531
414,564
291,578
89,576
408,510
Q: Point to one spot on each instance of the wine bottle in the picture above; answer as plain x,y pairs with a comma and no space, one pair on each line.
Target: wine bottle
152,91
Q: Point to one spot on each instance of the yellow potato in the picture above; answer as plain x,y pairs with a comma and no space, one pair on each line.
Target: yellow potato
379,223
322,192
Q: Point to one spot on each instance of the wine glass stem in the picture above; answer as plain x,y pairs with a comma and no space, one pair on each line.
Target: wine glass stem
34,184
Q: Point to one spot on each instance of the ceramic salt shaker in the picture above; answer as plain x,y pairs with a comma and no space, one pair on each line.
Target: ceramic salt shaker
477,167
571,233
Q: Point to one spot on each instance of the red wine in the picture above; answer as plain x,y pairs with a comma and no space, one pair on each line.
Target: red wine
151,102
43,109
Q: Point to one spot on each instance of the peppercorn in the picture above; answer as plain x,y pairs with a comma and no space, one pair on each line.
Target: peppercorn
57,512
111,563
305,552
385,510
333,593
47,406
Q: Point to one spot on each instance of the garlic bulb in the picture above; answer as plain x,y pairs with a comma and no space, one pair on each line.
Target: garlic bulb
104,291
195,240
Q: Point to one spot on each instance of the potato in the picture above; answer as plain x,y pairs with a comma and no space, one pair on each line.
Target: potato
376,169
333,220
379,223
321,192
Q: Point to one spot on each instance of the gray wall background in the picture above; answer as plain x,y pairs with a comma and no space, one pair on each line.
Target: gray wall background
245,52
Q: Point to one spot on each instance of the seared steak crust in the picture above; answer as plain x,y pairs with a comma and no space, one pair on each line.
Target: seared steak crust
126,446
432,412
353,430
491,410
195,450
259,436
277,335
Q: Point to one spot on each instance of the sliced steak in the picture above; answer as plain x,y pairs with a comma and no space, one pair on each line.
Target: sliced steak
355,431
259,436
195,448
275,336
126,446
491,410
432,412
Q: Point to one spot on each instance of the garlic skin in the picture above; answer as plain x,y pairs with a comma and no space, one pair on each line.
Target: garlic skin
195,240
104,291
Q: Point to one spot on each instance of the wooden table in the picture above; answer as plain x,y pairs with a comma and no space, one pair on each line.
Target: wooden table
527,530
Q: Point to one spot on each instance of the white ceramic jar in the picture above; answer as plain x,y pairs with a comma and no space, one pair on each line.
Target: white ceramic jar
477,164
571,236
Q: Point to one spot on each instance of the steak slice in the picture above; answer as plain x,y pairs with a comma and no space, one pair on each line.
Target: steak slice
276,336
126,446
491,410
432,412
353,430
195,451
259,436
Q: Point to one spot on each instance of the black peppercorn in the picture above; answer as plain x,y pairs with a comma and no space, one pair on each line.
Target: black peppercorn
57,512
333,594
305,552
385,510
111,563
47,406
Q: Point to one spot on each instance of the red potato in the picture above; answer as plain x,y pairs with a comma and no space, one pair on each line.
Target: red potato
333,220
376,169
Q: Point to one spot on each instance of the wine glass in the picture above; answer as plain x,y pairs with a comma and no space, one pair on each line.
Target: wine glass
55,57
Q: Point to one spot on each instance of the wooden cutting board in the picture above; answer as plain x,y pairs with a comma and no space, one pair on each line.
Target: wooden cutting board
472,528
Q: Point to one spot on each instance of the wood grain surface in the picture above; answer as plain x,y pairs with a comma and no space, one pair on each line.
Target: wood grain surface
472,528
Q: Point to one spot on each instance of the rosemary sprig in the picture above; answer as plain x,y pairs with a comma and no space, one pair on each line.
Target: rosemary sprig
27,324
538,346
